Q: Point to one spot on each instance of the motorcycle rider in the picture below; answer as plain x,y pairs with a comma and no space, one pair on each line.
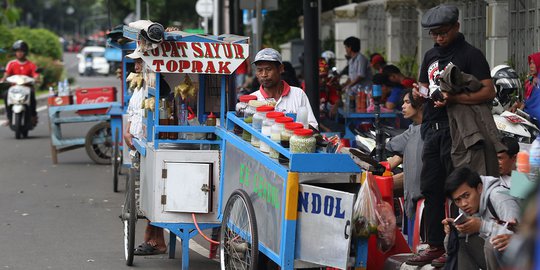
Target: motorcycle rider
22,66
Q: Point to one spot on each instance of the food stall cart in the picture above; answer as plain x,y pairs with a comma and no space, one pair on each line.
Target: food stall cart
97,141
297,214
118,117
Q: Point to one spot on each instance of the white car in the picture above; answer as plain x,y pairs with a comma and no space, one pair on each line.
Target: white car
92,61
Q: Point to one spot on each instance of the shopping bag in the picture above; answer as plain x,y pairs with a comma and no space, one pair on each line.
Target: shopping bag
365,218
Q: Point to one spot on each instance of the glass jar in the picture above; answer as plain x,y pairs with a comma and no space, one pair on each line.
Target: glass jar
242,105
246,136
266,129
287,133
257,121
277,128
260,115
303,141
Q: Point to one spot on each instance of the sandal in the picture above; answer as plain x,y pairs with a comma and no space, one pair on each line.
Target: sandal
146,249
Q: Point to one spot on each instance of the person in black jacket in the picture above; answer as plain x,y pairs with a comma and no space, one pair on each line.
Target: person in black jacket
450,47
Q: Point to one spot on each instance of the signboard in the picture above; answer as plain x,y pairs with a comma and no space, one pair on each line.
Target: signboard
324,226
205,8
265,189
196,57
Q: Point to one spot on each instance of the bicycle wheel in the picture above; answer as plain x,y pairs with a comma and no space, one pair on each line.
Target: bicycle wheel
239,247
129,218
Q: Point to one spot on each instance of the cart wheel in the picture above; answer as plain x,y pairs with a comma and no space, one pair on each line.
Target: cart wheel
129,218
116,162
239,247
98,143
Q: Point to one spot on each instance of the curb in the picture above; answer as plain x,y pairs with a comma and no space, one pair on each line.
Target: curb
40,101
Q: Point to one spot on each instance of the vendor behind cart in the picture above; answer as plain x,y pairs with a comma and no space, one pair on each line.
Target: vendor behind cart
268,69
154,241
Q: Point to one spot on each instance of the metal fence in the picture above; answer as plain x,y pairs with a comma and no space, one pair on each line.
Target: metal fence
473,22
408,34
523,33
376,28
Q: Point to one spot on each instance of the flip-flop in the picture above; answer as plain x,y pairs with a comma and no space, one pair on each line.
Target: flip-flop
146,249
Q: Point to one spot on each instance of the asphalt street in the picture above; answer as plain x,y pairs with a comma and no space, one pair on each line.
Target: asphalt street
65,216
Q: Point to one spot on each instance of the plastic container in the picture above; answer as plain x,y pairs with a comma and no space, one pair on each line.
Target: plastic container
242,105
361,101
534,160
163,117
303,141
522,162
275,136
302,116
266,130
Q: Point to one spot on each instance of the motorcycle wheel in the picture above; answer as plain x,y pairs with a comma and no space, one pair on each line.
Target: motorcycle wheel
18,126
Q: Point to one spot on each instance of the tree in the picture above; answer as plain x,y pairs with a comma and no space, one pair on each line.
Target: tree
282,25
9,13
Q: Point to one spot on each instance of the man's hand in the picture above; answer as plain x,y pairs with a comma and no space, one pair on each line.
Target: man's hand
128,138
446,223
445,100
501,241
472,225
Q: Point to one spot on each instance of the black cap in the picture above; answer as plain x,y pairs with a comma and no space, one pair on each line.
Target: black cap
439,16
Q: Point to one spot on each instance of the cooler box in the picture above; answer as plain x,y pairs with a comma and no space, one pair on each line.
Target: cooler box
95,95
60,101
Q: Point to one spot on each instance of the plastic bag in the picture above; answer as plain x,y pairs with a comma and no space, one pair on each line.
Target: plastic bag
365,218
387,227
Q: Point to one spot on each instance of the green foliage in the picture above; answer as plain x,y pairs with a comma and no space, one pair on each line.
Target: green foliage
408,66
52,70
9,14
41,41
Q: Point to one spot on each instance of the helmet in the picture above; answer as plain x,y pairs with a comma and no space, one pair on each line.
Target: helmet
506,81
20,45
328,55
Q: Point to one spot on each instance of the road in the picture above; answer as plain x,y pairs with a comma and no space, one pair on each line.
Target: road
65,216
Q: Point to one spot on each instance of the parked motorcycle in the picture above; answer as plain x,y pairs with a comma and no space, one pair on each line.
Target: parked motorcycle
18,99
509,91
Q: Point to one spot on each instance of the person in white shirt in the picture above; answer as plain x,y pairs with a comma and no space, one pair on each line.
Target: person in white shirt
268,69
154,240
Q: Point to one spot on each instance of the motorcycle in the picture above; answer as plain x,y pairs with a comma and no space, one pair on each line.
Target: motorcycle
18,99
509,90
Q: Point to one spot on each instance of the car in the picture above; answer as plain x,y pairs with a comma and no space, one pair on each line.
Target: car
92,61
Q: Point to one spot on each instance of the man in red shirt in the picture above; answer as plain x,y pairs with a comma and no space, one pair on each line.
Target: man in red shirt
395,76
22,66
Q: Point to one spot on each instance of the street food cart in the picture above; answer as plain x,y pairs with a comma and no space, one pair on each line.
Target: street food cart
97,141
298,214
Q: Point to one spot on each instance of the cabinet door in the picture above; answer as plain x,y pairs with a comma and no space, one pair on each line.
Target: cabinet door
324,226
187,187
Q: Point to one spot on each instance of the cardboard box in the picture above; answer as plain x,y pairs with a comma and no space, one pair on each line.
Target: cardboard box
95,95
60,101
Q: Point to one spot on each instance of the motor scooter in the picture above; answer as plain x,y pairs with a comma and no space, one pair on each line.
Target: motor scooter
517,125
18,100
